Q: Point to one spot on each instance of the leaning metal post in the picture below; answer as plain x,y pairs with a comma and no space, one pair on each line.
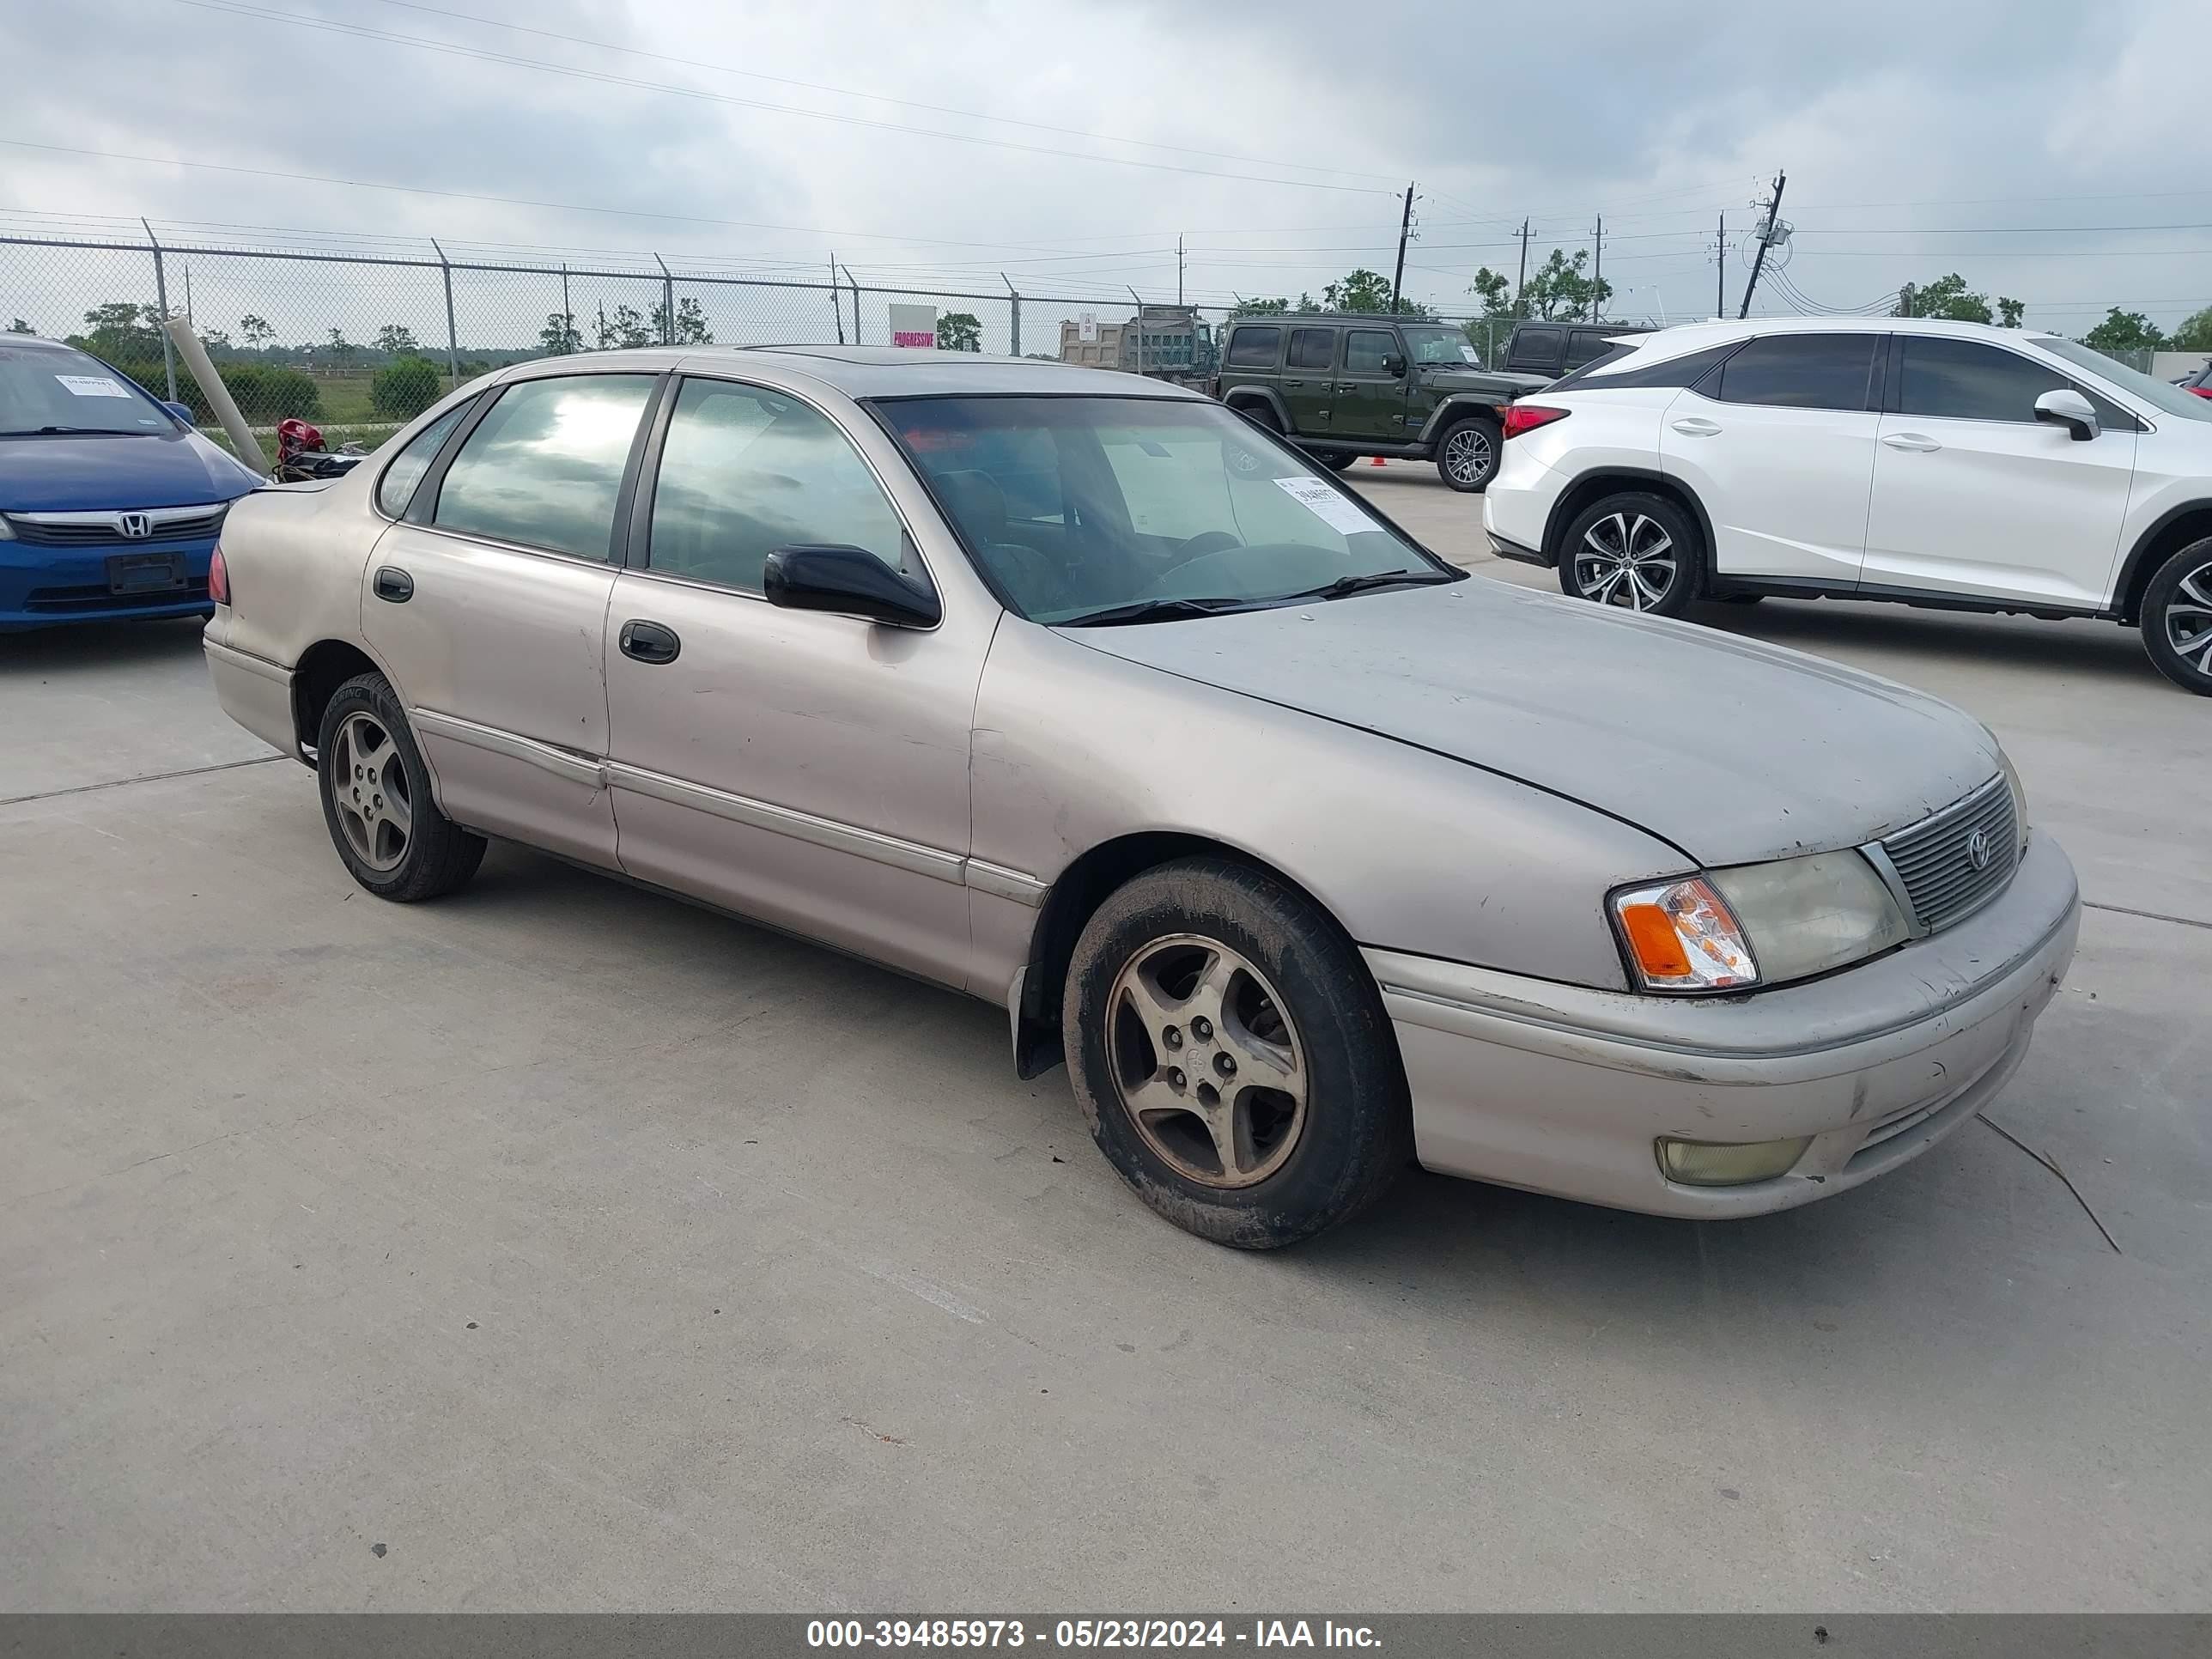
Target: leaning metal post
452,335
162,299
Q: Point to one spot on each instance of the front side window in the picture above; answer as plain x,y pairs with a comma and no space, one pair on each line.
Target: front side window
1367,349
1541,345
1255,348
545,466
1965,380
1441,345
1800,371
745,471
1075,507
1312,348
397,487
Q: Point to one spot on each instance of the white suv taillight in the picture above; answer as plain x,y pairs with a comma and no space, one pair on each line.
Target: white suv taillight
218,577
1527,417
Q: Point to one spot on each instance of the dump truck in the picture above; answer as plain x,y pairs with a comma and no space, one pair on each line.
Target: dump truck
1167,343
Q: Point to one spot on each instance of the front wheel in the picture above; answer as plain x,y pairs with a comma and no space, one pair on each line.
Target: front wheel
1231,1053
1635,549
2176,618
1334,463
376,798
1467,453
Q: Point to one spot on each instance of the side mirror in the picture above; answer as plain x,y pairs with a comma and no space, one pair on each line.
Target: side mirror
182,411
848,581
1394,365
2069,408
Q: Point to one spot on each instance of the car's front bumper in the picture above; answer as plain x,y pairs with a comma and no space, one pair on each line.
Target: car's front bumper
1564,1089
49,586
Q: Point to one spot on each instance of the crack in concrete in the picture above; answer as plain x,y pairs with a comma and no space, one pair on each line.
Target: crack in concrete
150,777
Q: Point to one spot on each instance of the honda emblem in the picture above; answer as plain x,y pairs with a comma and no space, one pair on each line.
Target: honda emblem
134,527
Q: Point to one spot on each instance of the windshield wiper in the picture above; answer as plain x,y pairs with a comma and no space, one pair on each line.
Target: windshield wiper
1345,586
67,431
1145,611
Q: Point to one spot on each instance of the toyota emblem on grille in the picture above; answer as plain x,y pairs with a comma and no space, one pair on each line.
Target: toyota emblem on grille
135,526
1977,849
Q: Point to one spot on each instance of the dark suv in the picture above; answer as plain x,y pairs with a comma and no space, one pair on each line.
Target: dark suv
1551,350
1352,385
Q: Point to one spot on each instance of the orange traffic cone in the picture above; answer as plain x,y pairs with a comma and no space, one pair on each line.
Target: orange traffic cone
1374,461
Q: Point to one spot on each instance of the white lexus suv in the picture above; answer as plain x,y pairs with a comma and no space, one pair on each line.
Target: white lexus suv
1950,465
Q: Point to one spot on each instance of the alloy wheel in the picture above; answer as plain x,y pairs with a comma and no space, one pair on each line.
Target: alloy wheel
1205,1061
1466,454
2189,619
1628,560
368,786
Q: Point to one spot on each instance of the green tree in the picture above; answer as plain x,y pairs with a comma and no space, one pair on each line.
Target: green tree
1496,293
120,329
629,331
19,326
1274,308
214,340
560,336
405,387
1950,299
1561,289
2123,331
959,331
396,341
1358,291
691,324
255,332
2195,333
339,348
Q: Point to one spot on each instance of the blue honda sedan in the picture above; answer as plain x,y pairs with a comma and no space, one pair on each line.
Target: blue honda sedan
109,501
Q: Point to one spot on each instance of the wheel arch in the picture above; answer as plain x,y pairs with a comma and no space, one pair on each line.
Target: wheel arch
2172,531
1075,896
1241,398
1459,406
1595,485
322,667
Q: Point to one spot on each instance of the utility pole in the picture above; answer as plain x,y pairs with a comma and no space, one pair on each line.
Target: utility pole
1405,229
1597,278
1765,241
836,303
1178,270
1720,270
1522,287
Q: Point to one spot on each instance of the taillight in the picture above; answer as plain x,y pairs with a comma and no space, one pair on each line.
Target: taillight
218,577
1527,417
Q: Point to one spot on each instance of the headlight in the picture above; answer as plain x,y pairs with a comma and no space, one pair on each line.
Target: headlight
1757,924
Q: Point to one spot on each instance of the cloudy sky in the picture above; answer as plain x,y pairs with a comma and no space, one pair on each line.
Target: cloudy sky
2058,152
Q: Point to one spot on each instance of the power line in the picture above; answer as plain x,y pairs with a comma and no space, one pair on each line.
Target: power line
602,77
848,92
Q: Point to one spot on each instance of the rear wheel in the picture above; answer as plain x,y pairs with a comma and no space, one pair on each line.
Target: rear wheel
1636,550
2176,618
1467,453
1232,1054
376,798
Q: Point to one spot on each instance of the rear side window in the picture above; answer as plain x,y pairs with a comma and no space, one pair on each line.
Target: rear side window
1312,348
1966,381
545,466
1367,349
1687,369
397,487
1255,348
1800,371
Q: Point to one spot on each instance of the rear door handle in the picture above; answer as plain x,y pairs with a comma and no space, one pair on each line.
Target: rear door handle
1695,426
649,642
394,583
1919,443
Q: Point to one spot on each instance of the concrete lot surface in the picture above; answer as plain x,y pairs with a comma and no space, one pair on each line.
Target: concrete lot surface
559,1246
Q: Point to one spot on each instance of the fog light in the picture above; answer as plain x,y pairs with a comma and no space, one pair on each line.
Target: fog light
1714,1163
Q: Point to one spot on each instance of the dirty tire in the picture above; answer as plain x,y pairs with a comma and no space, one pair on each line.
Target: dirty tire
1467,453
2177,625
1356,1135
437,855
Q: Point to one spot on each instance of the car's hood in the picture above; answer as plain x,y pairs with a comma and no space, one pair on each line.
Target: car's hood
1733,751
1480,379
62,474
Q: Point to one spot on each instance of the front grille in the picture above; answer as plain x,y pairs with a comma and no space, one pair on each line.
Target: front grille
1935,859
90,599
103,531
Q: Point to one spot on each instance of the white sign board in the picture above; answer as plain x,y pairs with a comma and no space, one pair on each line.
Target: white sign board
915,325
1086,326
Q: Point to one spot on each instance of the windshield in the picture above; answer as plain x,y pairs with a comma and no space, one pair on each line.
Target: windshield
1077,506
43,386
1440,345
2153,391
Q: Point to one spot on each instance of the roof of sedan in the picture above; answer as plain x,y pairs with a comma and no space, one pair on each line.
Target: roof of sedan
861,371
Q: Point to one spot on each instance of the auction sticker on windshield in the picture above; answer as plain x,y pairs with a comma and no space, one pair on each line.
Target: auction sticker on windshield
1324,503
91,385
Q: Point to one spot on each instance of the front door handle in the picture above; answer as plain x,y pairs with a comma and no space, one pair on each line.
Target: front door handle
1693,426
1918,442
1294,383
394,585
648,643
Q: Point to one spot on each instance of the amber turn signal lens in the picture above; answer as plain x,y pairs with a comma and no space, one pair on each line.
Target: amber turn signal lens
1682,936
